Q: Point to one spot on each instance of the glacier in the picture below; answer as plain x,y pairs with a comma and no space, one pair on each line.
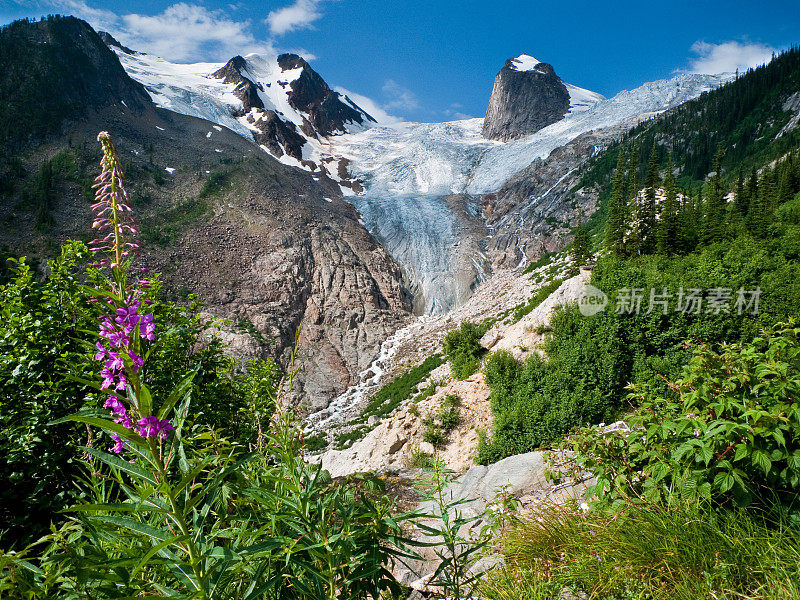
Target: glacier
409,170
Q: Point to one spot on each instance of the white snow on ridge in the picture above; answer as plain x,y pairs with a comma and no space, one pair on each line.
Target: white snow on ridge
524,62
453,157
581,99
187,89
190,89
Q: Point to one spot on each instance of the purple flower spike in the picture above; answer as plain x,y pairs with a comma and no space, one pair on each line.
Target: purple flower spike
152,427
118,444
147,327
108,379
114,362
114,404
136,360
165,428
101,352
148,427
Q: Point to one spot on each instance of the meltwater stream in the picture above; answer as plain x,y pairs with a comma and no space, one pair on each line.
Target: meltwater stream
349,405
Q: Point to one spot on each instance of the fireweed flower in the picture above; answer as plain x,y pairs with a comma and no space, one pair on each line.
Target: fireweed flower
151,427
119,343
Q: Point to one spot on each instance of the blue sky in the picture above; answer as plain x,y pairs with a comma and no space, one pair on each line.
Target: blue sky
436,60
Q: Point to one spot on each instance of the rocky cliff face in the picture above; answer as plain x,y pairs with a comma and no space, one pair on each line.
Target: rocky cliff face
527,96
327,114
536,209
265,245
319,111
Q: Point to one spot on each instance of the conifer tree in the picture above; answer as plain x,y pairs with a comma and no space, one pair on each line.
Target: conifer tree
633,243
757,216
667,232
751,190
690,221
647,214
741,200
714,221
616,223
582,244
784,192
633,174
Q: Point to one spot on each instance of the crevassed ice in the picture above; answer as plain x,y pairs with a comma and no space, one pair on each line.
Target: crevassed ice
407,169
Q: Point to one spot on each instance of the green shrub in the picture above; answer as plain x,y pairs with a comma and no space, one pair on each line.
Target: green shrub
216,182
417,459
463,350
590,360
313,443
393,393
449,418
433,434
539,297
729,430
167,226
451,401
45,340
440,424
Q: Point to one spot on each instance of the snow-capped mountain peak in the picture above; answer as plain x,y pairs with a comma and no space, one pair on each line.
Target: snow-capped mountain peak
278,101
524,62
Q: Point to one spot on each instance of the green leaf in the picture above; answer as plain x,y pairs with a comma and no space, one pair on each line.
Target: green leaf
723,481
741,452
136,526
123,432
761,459
144,401
123,465
155,549
180,391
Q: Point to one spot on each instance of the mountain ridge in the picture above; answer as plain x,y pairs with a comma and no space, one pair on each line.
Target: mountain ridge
269,247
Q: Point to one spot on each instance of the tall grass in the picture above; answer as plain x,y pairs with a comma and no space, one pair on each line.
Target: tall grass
648,551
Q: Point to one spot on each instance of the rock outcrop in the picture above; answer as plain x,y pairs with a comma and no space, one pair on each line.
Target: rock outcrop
527,96
535,211
246,90
309,94
320,112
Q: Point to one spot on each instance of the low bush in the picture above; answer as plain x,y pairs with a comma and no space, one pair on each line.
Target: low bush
535,300
418,459
590,360
463,350
728,431
393,393
439,425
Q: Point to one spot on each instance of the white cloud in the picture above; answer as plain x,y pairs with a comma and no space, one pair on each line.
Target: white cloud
189,32
400,98
299,15
372,107
726,57
453,112
182,32
98,17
